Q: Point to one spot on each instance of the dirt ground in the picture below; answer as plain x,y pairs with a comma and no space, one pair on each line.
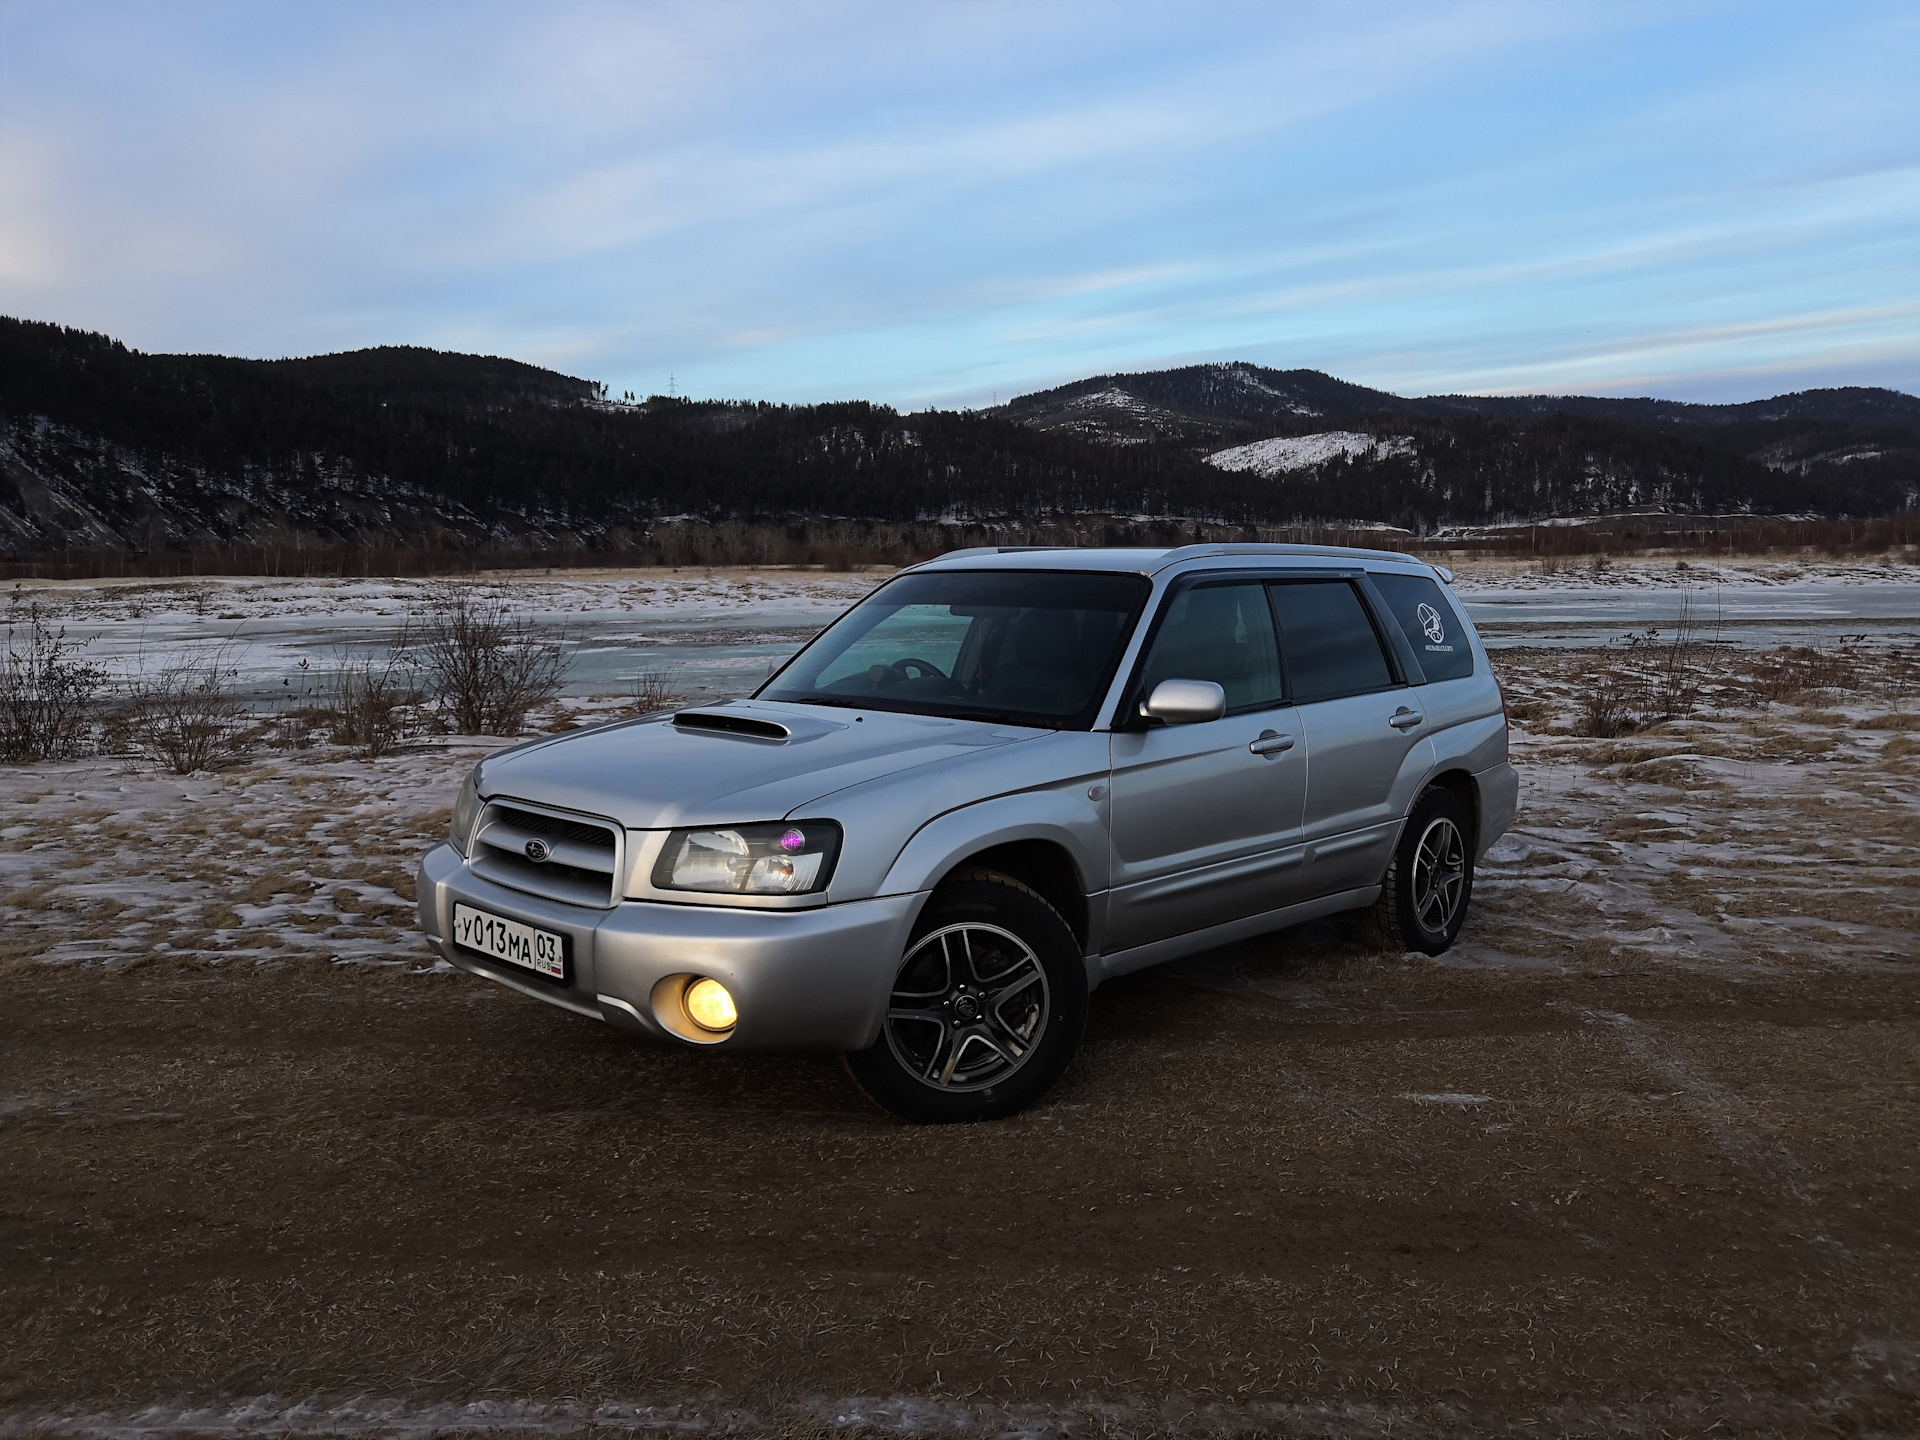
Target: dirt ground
1637,1158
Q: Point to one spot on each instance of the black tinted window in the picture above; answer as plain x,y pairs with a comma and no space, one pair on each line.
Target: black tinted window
1419,607
1328,641
1222,633
1026,647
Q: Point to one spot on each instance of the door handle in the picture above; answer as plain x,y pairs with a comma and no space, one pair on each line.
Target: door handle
1271,742
1405,719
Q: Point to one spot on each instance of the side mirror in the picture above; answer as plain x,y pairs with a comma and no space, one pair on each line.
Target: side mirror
1185,702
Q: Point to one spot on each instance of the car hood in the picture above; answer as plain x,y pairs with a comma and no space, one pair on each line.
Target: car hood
653,774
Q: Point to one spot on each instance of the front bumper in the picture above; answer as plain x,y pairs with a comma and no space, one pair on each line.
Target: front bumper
801,979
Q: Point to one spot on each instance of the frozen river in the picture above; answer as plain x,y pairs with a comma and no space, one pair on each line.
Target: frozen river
1799,612
721,633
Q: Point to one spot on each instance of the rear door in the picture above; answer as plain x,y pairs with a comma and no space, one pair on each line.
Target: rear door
1360,720
1206,817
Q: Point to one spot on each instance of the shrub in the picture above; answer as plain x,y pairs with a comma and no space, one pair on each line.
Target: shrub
47,692
1795,671
186,716
1606,709
1658,680
368,704
484,667
652,692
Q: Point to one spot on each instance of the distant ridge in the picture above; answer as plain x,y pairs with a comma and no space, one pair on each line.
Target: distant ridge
105,450
1195,403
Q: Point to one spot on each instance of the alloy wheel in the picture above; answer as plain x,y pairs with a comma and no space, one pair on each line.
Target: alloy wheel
1439,875
969,1006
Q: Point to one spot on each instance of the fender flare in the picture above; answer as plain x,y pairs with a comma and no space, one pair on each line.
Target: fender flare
1076,826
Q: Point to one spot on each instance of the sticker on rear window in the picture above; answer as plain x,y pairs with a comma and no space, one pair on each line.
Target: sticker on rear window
1431,625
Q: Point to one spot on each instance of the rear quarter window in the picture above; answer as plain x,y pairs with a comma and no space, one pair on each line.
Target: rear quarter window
1430,623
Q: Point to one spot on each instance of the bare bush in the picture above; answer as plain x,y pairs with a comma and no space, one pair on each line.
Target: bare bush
652,691
370,704
1795,671
1658,679
1607,709
485,667
47,692
186,716
294,728
1669,668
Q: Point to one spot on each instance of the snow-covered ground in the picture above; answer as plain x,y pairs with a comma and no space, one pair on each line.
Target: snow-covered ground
718,632
1276,457
1750,835
1607,574
1742,602
1747,836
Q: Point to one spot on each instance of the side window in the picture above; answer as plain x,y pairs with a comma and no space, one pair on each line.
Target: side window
1222,633
1420,608
1330,645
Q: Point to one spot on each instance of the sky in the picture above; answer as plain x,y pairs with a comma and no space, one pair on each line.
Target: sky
953,203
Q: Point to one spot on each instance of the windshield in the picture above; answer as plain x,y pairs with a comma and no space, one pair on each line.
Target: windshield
1021,647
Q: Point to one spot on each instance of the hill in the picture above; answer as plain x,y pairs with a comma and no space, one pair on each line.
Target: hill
1216,402
105,449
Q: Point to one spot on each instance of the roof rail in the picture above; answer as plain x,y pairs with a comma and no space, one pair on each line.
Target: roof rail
1253,547
971,551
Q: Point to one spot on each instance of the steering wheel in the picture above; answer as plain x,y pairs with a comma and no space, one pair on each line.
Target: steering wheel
927,669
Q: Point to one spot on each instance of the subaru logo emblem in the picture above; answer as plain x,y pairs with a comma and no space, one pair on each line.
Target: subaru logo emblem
1431,623
539,851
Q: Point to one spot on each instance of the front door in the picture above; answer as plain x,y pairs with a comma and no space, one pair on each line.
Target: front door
1358,721
1206,818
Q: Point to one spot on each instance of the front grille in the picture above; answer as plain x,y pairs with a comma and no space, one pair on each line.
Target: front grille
584,855
557,826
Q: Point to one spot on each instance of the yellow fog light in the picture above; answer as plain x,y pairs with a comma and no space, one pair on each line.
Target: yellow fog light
710,1006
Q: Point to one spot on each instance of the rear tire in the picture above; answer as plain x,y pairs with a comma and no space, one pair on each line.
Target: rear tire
1428,887
987,1006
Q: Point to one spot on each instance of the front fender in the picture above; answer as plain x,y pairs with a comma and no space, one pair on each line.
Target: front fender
1070,819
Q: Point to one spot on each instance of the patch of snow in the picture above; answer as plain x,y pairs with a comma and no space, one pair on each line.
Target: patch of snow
1303,452
1116,398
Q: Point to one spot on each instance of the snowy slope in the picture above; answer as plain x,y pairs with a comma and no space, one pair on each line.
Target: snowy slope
1303,452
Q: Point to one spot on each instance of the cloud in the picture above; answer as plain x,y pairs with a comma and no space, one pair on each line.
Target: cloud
919,202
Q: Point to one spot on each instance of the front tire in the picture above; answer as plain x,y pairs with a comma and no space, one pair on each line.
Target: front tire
1423,901
986,1010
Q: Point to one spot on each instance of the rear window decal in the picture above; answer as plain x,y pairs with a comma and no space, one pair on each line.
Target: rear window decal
1432,625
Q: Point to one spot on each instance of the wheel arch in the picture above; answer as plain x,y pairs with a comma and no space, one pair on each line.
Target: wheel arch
1045,867
1053,842
1464,788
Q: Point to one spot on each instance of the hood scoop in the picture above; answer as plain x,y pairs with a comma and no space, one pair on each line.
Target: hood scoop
720,723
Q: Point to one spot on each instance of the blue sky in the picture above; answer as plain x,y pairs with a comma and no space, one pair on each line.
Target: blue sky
927,203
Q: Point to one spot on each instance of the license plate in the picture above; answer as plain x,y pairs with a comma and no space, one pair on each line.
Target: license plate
499,938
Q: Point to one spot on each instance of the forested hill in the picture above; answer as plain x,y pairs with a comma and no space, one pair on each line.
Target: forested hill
102,447
1221,403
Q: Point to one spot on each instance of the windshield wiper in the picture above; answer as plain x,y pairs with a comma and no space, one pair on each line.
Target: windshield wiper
998,717
835,702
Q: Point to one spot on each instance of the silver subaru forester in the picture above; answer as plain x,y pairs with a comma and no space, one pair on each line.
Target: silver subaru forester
1002,778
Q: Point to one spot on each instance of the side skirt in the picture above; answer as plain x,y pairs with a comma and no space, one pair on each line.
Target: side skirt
1122,962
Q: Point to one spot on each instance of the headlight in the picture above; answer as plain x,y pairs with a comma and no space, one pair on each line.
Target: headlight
466,810
784,858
